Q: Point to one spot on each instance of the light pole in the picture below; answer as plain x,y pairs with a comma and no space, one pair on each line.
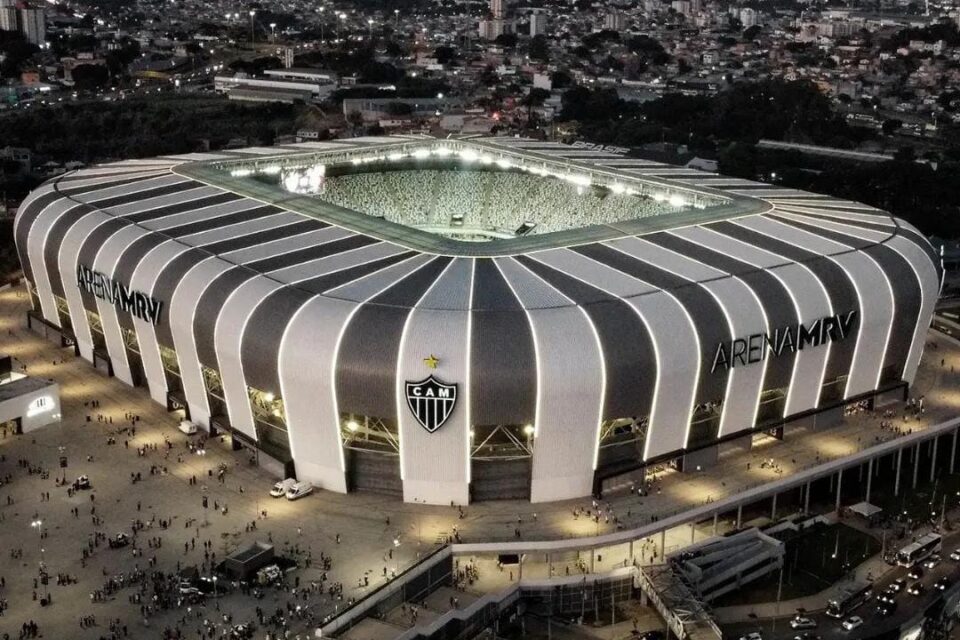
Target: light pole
252,45
396,18
341,17
38,525
370,28
321,24
273,32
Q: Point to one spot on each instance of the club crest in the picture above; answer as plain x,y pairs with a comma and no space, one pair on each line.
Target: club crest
431,402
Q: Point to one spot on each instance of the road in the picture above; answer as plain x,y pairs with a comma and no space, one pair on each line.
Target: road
874,623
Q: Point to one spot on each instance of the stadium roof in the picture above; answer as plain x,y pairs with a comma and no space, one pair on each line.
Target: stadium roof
231,173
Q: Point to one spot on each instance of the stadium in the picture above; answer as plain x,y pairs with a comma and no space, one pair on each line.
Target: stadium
463,319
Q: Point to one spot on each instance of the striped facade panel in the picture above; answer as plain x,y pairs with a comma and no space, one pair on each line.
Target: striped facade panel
791,295
566,429
367,361
503,375
874,294
435,467
184,300
625,340
46,239
835,282
105,262
306,363
231,321
144,278
68,259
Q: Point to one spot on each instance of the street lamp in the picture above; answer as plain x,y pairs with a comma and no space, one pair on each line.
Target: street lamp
396,18
252,45
370,28
273,32
342,17
321,24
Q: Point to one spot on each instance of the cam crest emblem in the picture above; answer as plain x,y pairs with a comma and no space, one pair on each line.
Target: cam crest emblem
431,402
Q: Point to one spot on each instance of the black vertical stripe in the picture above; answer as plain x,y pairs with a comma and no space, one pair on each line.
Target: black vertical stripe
367,361
628,352
503,375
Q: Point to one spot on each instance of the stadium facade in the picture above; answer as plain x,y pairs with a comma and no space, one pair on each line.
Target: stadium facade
359,352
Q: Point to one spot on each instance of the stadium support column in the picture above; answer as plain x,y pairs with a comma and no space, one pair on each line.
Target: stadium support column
953,450
933,457
716,519
806,499
896,477
839,483
916,464
773,508
739,516
869,478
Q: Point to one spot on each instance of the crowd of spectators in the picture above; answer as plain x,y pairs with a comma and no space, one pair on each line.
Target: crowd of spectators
496,201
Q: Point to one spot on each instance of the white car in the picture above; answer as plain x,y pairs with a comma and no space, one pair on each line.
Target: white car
955,555
932,561
298,490
801,622
187,427
753,635
852,623
280,489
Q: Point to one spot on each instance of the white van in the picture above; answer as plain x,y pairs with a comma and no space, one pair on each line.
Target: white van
299,490
280,489
187,427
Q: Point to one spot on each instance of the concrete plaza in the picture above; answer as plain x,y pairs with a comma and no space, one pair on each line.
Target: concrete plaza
365,535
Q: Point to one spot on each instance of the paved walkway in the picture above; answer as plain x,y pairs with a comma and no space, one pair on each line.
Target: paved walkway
367,525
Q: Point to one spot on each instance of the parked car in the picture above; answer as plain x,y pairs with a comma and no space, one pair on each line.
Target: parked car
280,489
269,574
887,596
887,609
83,482
898,585
955,554
801,622
187,427
932,561
916,572
942,584
915,589
852,623
298,490
806,635
118,541
753,635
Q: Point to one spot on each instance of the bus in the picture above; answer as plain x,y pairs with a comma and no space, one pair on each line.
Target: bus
920,550
848,600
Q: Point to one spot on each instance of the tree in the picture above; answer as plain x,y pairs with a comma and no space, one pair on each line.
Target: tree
445,54
508,40
561,79
90,77
355,118
891,126
539,49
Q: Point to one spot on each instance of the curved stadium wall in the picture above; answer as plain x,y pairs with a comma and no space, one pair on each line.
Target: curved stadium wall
357,353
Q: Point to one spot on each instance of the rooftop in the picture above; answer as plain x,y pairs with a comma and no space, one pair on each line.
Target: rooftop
470,197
